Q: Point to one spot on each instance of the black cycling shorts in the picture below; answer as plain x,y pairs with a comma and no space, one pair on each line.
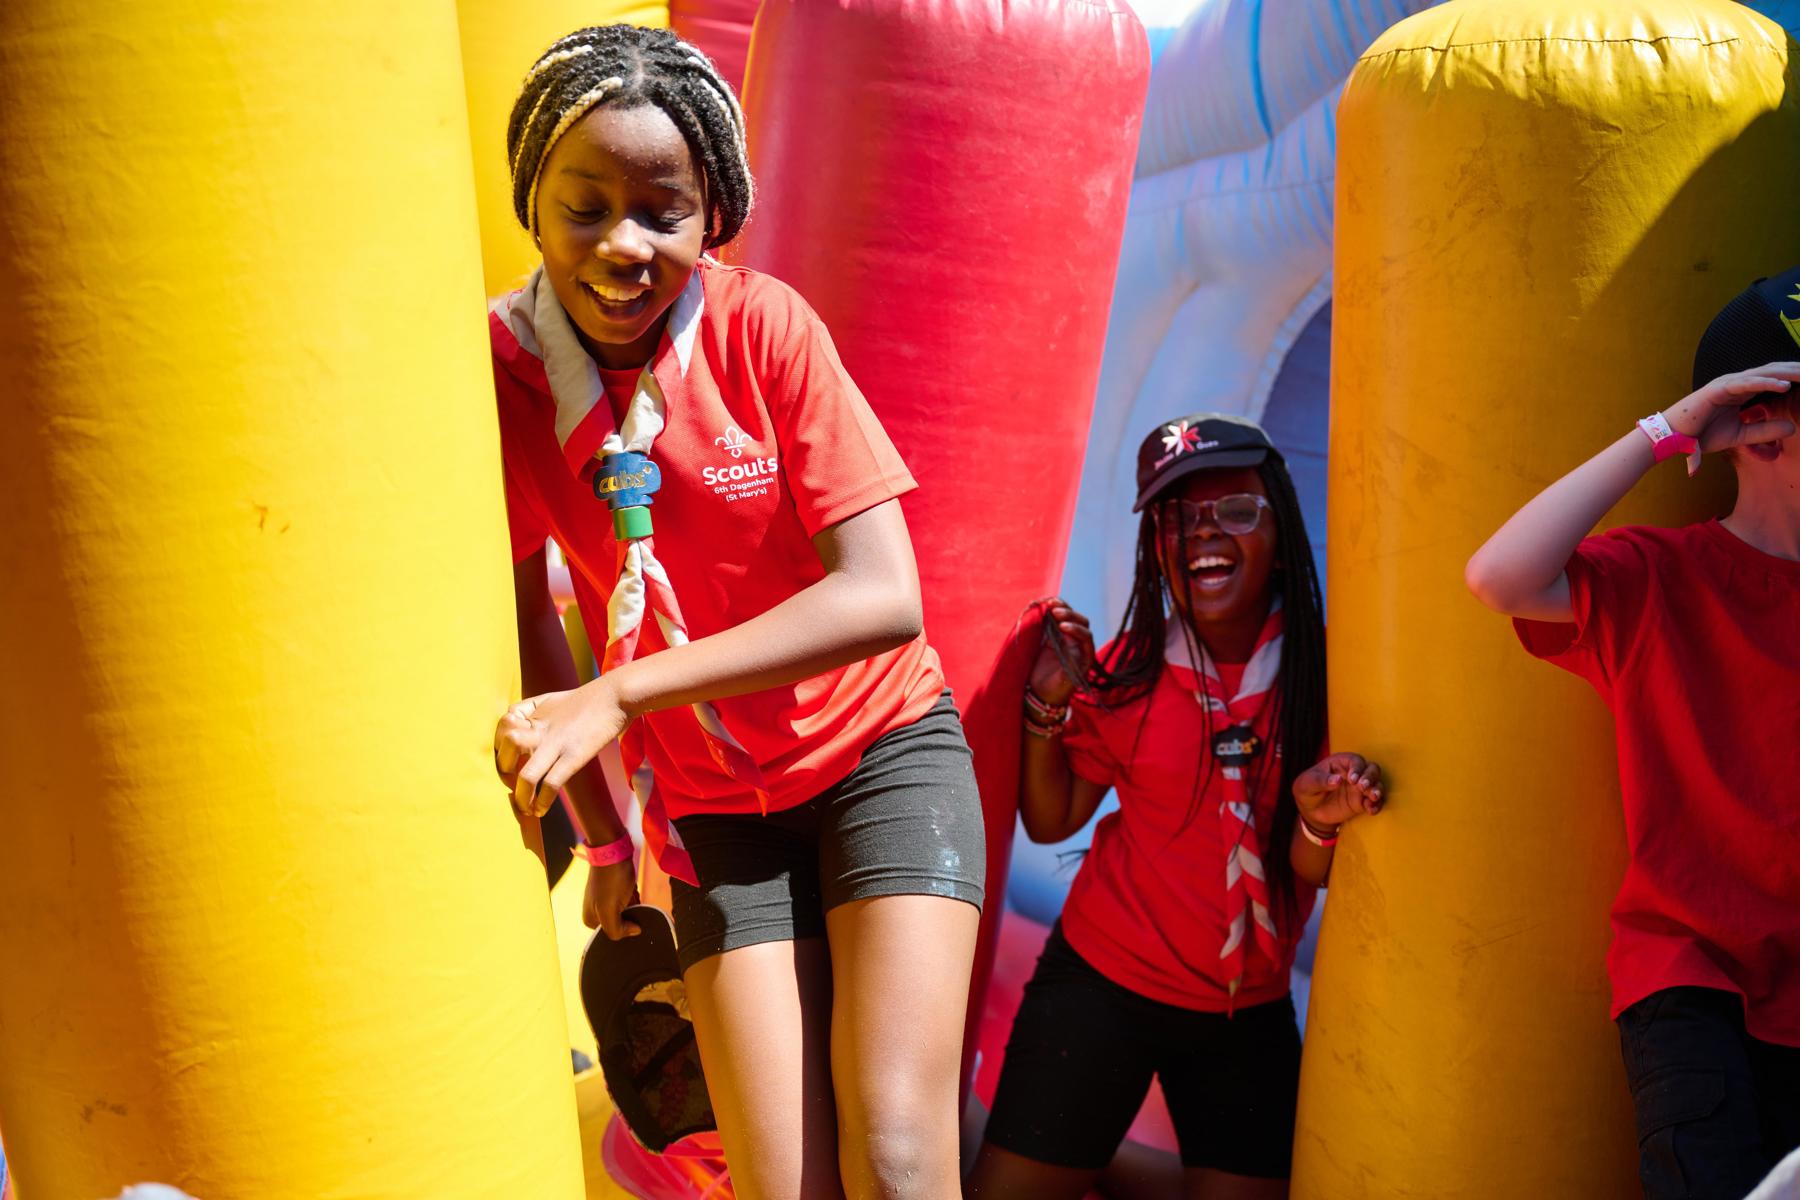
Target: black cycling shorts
1082,1054
906,822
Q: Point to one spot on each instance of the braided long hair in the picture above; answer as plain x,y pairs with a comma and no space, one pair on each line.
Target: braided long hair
630,66
1135,663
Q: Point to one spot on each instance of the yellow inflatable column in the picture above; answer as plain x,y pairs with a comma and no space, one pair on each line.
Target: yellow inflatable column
267,927
1540,205
500,41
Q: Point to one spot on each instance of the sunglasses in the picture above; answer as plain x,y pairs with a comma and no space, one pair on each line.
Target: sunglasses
1237,514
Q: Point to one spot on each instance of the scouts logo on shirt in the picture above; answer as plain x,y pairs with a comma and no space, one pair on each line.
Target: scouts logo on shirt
734,441
1792,323
742,480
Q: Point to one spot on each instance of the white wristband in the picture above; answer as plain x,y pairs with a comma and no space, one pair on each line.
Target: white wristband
1666,443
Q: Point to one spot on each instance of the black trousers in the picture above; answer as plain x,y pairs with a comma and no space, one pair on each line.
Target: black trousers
1716,1108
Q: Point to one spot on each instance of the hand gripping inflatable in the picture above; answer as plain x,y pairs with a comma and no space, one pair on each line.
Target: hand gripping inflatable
500,41
946,184
1540,205
269,929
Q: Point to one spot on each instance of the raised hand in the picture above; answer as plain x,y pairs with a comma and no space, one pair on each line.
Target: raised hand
1724,412
1049,678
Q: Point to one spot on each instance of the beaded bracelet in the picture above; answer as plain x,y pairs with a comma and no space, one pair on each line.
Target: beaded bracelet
1043,708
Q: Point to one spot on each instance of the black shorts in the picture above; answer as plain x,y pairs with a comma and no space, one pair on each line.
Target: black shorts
1082,1054
906,822
1716,1108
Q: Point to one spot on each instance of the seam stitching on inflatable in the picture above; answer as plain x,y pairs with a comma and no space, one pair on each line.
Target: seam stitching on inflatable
1704,45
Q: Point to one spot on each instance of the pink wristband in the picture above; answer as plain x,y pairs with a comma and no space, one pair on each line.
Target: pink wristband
1666,443
607,855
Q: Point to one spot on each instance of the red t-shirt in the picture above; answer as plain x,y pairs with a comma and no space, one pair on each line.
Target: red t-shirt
767,443
1693,638
1147,908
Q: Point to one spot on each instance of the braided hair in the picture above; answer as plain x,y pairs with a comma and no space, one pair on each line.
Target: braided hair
1134,664
631,67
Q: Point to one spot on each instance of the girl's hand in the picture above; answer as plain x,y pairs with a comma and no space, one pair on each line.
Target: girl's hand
1712,414
610,891
1338,789
1049,679
543,740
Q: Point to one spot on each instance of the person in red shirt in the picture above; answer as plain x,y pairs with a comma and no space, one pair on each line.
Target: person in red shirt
1692,637
728,506
1171,959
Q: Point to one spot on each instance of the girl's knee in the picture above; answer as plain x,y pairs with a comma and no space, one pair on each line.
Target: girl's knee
899,1157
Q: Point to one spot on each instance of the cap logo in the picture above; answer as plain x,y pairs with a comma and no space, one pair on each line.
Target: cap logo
1792,323
1181,438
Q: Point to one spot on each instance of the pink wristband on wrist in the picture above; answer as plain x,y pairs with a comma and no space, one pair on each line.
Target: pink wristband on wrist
1666,443
607,855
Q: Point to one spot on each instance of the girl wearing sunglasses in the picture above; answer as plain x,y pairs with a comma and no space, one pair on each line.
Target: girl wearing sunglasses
1207,714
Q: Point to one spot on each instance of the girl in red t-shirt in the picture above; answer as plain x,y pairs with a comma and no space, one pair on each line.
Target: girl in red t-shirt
781,719
1171,958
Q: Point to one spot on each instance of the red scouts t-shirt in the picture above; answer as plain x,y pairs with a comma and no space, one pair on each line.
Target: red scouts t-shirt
767,443
1692,637
1147,908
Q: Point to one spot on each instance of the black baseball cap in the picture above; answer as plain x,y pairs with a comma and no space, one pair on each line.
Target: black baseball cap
1198,442
1759,325
637,1004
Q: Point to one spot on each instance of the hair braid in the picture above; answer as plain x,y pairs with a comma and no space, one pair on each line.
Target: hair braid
1300,693
631,66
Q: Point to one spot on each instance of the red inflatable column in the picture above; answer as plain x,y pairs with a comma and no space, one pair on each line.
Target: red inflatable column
946,183
721,28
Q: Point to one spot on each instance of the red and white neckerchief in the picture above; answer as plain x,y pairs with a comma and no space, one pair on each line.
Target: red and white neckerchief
1247,909
584,428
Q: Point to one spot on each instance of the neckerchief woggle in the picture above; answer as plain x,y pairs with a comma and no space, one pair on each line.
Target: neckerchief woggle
1235,747
625,479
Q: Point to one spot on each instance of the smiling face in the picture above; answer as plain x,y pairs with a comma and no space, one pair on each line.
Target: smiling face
1218,581
621,221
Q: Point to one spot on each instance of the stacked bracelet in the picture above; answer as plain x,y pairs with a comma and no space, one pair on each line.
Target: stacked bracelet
1042,718
1322,841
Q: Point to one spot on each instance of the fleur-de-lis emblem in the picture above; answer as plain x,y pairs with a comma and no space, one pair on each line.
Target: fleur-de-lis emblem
1180,437
734,441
